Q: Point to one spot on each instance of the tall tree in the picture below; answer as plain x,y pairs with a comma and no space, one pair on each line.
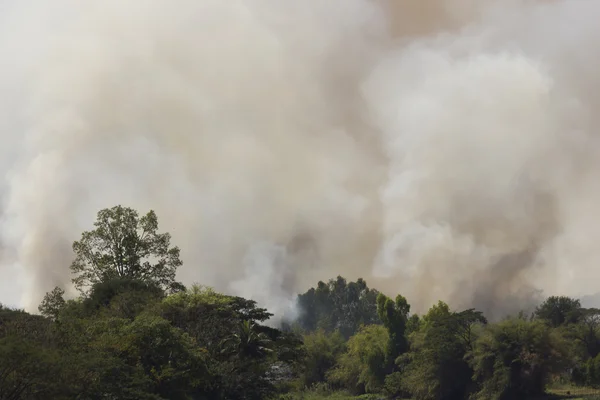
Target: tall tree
394,315
515,358
248,341
587,331
322,352
437,368
362,368
52,303
123,245
338,305
559,310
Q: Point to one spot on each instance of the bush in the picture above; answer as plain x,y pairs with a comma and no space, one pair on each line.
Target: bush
362,368
515,359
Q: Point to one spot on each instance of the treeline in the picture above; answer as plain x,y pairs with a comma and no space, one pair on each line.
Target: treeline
134,332
444,354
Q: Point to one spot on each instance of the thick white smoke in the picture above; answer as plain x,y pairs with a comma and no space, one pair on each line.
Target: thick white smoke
442,149
269,279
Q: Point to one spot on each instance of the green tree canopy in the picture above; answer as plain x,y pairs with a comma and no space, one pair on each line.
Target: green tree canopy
52,303
438,368
559,310
322,352
586,332
515,358
394,315
362,367
338,305
123,245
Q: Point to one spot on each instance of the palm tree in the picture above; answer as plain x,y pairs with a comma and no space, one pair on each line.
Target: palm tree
248,342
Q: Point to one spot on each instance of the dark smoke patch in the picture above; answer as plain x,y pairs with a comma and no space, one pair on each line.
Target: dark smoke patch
502,289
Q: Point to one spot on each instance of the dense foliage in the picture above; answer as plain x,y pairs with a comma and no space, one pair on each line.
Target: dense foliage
135,333
338,306
446,354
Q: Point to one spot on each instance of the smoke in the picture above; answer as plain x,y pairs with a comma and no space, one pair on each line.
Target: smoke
440,149
268,278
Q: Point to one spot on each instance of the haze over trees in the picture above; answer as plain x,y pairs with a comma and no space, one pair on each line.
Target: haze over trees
135,333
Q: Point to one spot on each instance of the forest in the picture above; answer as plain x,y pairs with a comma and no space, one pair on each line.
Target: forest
135,332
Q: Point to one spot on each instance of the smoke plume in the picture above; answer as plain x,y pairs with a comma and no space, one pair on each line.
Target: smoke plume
443,149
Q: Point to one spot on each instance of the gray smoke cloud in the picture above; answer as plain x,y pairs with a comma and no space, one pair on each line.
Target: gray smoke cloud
440,149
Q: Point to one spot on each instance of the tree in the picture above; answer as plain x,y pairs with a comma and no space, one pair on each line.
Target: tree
27,370
209,316
20,324
123,298
52,303
248,341
438,368
243,367
592,372
146,358
322,352
515,358
394,315
338,305
362,368
123,245
586,332
32,363
559,310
